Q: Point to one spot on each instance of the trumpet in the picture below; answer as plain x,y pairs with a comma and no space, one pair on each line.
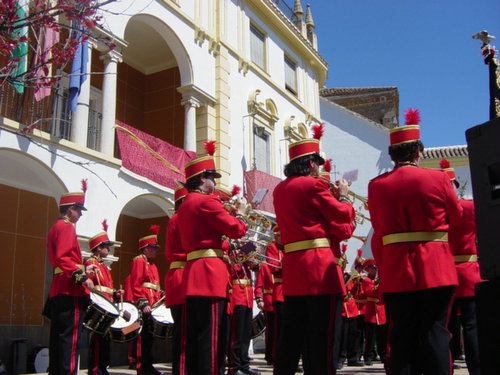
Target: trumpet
360,198
258,258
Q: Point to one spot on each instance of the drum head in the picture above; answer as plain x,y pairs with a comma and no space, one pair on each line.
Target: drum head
41,362
121,322
103,303
162,314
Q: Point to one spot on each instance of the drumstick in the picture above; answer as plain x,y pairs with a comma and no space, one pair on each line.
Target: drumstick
125,314
121,298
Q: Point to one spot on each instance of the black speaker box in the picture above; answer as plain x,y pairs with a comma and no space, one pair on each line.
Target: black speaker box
483,142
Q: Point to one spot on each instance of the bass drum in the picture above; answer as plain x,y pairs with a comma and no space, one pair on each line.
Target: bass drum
128,325
162,322
258,325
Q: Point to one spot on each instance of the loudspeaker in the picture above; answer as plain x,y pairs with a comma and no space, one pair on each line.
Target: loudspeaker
483,143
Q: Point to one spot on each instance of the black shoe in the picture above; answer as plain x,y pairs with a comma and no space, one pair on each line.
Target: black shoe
368,363
339,366
357,363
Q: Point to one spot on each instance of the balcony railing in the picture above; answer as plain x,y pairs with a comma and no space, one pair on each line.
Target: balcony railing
51,114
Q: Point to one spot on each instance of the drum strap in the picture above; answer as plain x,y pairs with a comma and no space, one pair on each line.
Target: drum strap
465,258
58,270
205,253
314,243
104,289
438,236
151,286
177,264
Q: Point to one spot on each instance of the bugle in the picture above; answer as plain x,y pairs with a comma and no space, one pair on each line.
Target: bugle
257,257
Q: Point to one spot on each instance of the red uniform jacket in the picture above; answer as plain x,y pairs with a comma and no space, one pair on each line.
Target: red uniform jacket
144,281
411,199
175,255
306,210
350,307
103,281
202,223
272,251
65,256
462,238
375,308
242,289
128,295
264,286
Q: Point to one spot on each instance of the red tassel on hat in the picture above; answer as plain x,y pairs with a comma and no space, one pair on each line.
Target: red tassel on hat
412,116
84,185
360,252
318,130
235,191
209,147
105,225
444,163
155,229
327,167
343,247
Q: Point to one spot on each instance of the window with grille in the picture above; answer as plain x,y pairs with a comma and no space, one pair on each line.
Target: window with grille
262,149
257,46
290,75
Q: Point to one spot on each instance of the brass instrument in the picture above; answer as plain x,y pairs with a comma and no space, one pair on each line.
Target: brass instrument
257,257
361,238
360,198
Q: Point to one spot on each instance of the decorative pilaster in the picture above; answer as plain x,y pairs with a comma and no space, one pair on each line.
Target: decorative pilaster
190,104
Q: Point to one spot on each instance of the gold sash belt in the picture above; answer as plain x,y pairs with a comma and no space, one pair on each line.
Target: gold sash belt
104,289
415,237
151,286
465,258
372,299
277,280
267,291
243,282
177,264
205,253
58,270
361,301
307,244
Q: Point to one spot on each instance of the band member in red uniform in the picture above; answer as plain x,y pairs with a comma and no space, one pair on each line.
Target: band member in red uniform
146,291
411,209
462,238
356,324
240,331
375,320
69,290
264,300
309,216
99,346
174,290
203,222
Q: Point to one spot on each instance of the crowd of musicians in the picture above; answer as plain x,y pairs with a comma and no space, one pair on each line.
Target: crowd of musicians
393,306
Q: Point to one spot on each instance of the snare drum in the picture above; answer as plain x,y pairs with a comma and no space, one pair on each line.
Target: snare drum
100,314
258,324
162,322
123,330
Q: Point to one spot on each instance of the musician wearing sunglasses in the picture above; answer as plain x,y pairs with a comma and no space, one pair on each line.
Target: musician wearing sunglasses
411,209
203,223
309,217
99,346
69,290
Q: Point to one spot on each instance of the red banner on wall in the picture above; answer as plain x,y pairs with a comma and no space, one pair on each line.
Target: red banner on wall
255,180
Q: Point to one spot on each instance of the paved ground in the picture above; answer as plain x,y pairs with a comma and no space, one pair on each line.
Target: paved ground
259,364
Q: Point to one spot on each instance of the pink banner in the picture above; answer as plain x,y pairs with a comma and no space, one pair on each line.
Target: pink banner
255,180
155,164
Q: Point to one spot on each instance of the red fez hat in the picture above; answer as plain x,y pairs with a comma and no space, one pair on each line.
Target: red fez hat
75,198
308,146
445,166
359,261
180,192
150,240
202,164
101,238
410,132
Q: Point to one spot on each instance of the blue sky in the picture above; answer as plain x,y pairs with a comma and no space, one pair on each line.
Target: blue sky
424,48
